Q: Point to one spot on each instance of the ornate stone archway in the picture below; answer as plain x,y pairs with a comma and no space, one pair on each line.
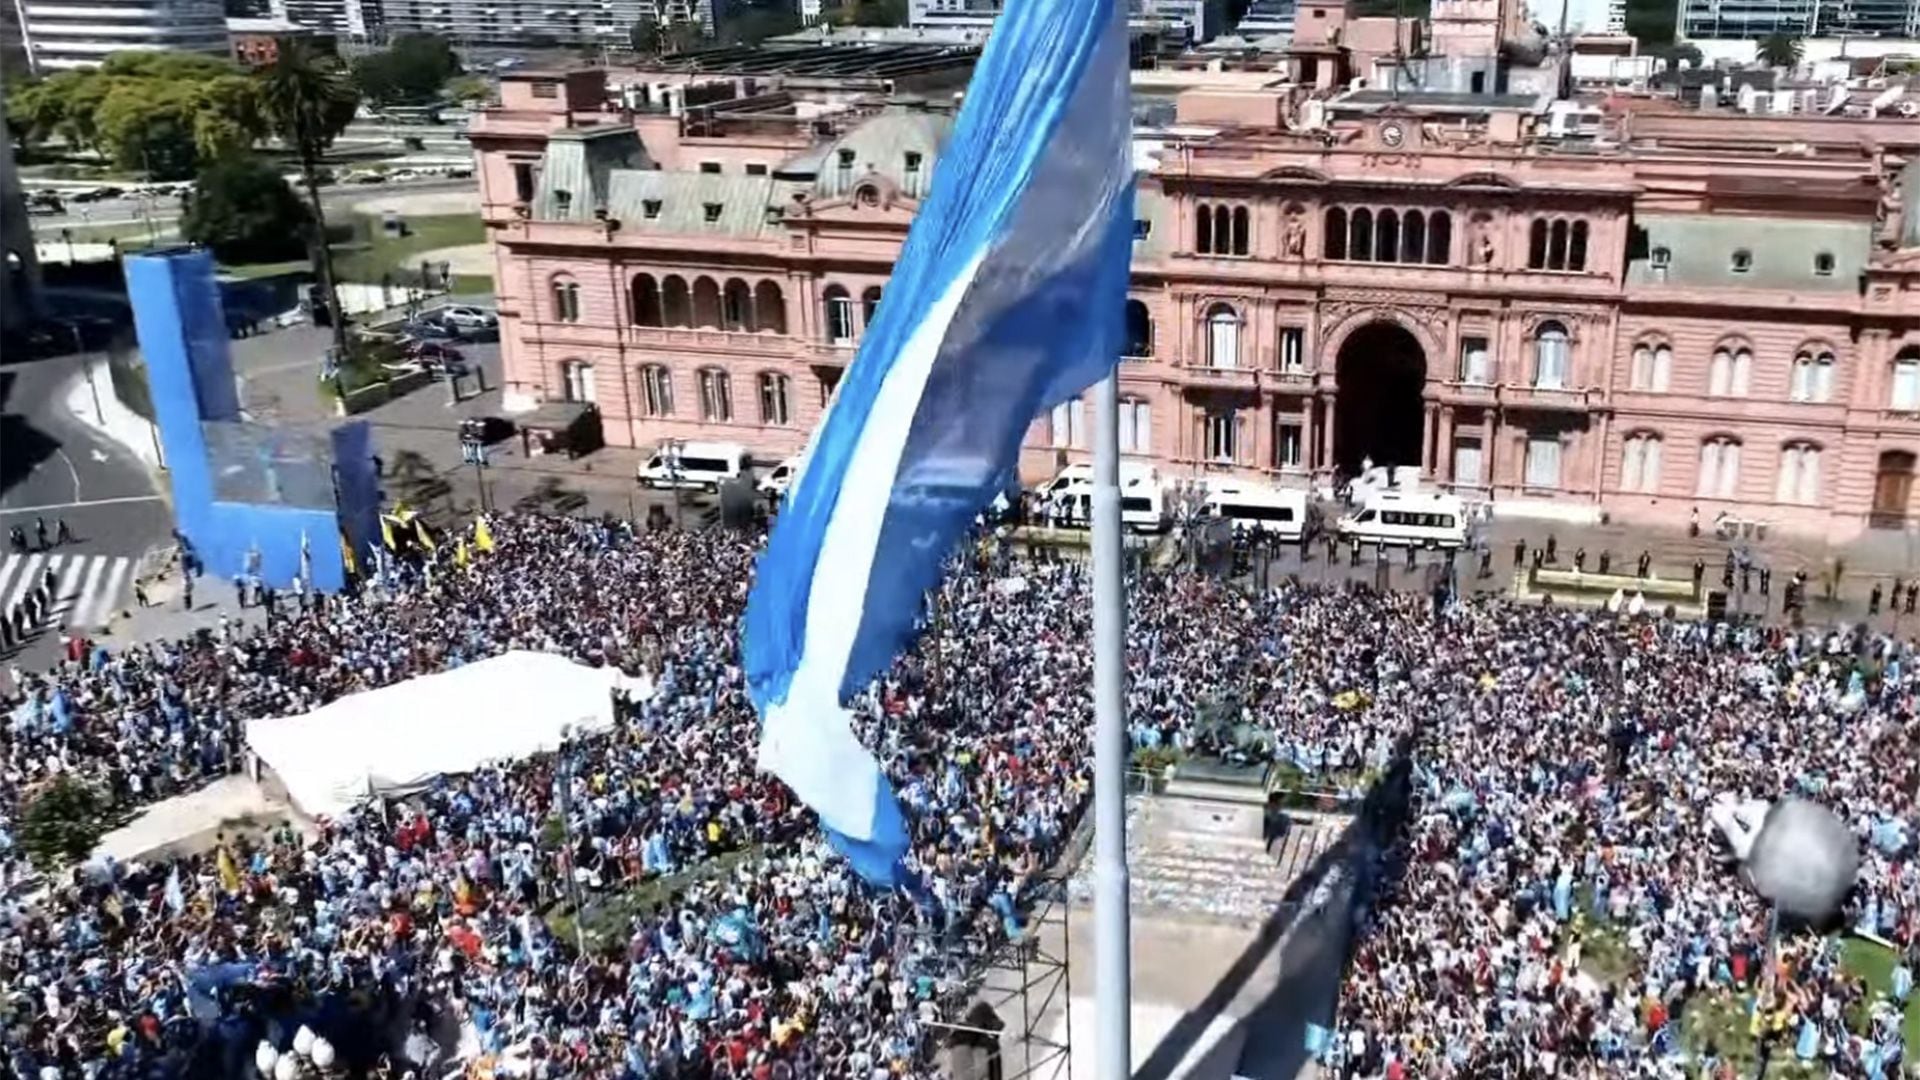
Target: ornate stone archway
1380,369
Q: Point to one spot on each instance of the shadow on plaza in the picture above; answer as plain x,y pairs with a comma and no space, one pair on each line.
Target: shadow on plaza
1274,1029
22,446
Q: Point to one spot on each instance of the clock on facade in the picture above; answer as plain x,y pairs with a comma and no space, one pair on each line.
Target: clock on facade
1392,134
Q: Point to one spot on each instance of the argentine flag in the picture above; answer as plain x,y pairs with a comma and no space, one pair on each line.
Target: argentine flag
1007,299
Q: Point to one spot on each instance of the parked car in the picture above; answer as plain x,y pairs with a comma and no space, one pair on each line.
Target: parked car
436,356
466,316
427,329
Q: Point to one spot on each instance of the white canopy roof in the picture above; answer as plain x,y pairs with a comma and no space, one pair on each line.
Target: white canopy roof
398,738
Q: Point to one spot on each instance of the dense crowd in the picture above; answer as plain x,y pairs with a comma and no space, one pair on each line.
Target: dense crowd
1562,766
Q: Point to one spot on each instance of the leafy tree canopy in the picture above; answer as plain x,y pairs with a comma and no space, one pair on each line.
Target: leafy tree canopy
874,13
157,112
61,822
410,72
245,212
752,25
650,37
1779,50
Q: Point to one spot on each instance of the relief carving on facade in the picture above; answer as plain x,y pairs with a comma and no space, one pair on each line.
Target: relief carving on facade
1417,312
1294,240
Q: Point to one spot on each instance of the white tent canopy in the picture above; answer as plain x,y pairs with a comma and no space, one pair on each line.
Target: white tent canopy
398,738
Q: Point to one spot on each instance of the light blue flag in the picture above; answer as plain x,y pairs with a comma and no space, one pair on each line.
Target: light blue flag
176,896
1007,299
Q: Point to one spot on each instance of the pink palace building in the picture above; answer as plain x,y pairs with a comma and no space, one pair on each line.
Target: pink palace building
1567,305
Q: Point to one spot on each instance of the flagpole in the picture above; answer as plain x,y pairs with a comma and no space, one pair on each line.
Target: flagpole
1112,953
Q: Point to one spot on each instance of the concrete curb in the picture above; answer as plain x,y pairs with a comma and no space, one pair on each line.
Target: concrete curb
120,424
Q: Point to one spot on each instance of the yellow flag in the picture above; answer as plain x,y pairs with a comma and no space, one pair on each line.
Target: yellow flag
386,531
421,534
229,873
482,534
346,555
460,556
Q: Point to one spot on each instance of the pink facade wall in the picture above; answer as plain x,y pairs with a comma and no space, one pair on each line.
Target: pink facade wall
1491,194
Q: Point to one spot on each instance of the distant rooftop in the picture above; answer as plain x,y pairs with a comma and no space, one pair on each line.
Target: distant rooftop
860,59
1452,101
265,26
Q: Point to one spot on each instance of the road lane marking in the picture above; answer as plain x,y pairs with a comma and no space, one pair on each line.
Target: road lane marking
44,507
109,597
85,601
28,578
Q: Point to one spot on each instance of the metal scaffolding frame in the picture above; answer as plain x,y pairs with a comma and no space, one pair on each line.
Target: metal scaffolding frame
1035,975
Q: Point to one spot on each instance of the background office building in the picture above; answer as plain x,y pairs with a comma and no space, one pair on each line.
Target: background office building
65,34
1752,19
354,19
535,22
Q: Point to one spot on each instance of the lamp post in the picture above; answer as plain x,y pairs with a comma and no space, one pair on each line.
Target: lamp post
675,474
474,453
93,388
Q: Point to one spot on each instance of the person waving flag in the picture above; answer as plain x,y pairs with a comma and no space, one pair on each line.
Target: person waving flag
1007,299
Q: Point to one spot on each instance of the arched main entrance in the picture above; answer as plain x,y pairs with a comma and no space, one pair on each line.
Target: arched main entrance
1379,416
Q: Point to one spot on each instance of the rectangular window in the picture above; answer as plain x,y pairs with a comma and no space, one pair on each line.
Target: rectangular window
711,211
1136,427
1293,348
526,177
1466,461
710,167
773,399
840,319
546,88
756,168
1543,462
651,208
656,386
716,396
1070,425
1286,448
1475,365
829,382
1223,436
1906,385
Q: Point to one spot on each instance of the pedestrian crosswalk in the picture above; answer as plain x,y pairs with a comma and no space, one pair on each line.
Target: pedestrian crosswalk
86,592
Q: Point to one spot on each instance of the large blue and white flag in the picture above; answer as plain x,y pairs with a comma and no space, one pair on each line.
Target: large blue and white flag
1007,299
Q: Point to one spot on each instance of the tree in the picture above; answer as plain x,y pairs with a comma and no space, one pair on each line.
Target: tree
469,88
751,26
61,822
1780,50
246,212
307,102
874,13
410,72
152,112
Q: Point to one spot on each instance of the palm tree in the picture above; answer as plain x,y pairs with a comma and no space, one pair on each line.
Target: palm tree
308,101
1780,50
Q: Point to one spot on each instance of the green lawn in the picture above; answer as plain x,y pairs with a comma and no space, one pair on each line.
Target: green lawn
365,260
1873,962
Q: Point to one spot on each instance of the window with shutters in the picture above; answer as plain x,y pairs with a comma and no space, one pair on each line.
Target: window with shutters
1719,468
1640,463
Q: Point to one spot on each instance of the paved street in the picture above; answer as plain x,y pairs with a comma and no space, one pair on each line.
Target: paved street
54,467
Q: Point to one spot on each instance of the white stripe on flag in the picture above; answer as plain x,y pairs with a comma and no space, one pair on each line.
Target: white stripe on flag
808,739
77,611
29,577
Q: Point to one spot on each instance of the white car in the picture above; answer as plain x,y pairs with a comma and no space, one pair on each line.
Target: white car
780,478
468,317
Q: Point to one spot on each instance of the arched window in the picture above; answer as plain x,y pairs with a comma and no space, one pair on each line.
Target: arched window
1537,245
578,379
1139,329
646,301
1360,235
1729,373
676,302
1799,479
706,302
869,305
1069,424
1905,394
1242,231
1386,239
1440,238
769,308
1719,468
1222,231
716,395
774,399
1550,356
1577,247
1136,426
1892,487
839,315
1223,336
1413,237
1812,376
656,390
1640,463
736,306
566,299
1652,366
1203,230
1334,234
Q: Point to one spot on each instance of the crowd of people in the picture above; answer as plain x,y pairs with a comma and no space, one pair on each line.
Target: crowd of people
645,903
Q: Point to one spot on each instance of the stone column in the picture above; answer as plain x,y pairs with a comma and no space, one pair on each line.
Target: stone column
1326,446
1429,434
1443,468
1309,457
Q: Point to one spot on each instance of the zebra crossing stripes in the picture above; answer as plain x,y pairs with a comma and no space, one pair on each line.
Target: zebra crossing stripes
86,592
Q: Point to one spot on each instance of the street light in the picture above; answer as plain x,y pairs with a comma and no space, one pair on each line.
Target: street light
474,452
675,474
80,350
